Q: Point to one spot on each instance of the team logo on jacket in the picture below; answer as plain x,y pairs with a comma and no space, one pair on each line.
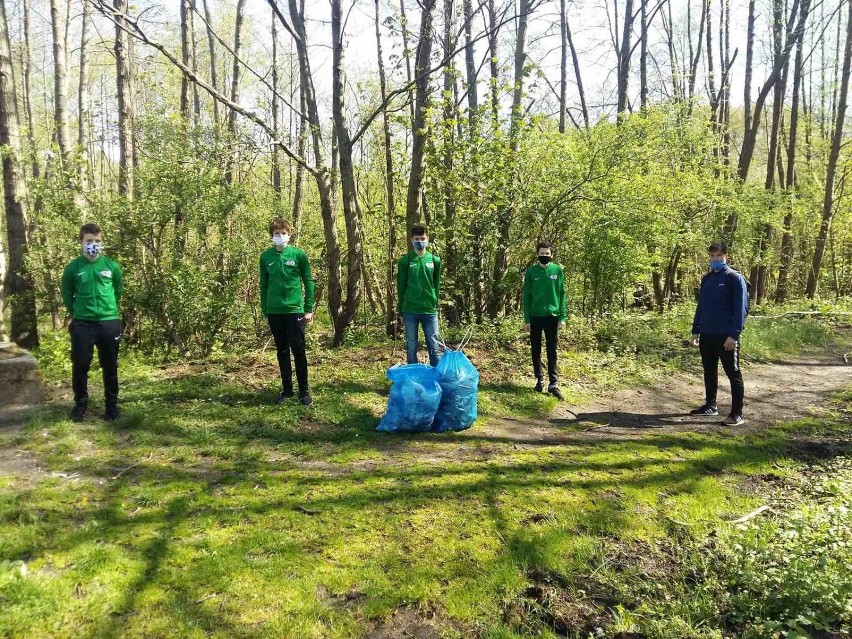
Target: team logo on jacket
554,276
106,274
290,263
430,265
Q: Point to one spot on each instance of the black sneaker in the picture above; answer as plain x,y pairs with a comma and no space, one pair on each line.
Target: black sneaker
734,420
706,409
79,411
112,412
306,399
539,386
554,390
284,395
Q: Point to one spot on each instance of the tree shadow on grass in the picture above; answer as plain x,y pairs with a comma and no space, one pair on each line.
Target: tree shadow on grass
582,468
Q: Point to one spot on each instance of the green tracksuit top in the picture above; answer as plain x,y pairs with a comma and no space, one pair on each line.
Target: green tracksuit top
91,290
282,276
418,283
544,292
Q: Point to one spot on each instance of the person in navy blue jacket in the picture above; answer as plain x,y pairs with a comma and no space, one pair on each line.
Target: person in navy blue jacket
719,321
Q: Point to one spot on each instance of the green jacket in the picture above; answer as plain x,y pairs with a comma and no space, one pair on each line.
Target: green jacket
282,276
91,290
544,292
418,283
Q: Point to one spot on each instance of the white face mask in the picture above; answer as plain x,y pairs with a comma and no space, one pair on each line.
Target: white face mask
92,249
280,239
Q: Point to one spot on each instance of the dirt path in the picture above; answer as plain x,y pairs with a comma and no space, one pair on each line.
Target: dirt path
780,391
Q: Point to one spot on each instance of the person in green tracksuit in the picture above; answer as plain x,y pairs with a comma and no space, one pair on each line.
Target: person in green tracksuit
287,302
544,312
91,290
418,287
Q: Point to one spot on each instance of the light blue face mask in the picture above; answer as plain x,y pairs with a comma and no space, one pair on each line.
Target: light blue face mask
420,245
717,265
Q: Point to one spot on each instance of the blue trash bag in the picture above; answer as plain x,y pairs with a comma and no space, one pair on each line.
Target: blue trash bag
459,382
414,397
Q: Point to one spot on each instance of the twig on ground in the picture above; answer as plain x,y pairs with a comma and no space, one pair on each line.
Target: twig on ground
751,515
141,461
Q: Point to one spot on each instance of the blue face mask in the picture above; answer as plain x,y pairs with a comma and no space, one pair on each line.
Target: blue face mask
420,245
717,265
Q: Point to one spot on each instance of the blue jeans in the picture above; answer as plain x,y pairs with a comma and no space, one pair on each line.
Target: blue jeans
430,328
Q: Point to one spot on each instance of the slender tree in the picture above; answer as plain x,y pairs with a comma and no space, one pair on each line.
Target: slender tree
390,204
276,161
235,86
211,45
349,188
420,129
59,26
19,287
833,157
126,112
83,103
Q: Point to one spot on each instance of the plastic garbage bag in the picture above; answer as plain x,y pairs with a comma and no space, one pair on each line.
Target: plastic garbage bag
414,398
459,382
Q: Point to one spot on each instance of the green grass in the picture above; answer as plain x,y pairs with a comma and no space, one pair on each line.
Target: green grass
207,511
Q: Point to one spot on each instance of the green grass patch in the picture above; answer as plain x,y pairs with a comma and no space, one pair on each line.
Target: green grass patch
208,511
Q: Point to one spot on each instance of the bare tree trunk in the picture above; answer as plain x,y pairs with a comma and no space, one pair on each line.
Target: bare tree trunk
351,212
643,57
492,63
563,65
470,68
321,173
211,45
406,52
758,291
787,237
235,89
725,90
3,336
18,285
749,65
624,53
196,98
84,135
276,163
124,82
186,58
299,187
420,131
750,137
390,205
695,58
577,75
505,212
59,25
674,63
35,163
831,171
449,142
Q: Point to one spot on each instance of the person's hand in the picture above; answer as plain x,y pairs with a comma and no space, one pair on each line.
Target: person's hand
562,324
309,317
730,344
526,327
693,341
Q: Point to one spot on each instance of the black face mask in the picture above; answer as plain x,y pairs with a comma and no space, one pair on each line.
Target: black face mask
544,259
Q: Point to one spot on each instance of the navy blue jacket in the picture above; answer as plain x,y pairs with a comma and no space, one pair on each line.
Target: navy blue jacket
722,304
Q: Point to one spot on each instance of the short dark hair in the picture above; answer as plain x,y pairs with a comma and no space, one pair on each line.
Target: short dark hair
544,244
718,247
279,224
419,229
90,229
